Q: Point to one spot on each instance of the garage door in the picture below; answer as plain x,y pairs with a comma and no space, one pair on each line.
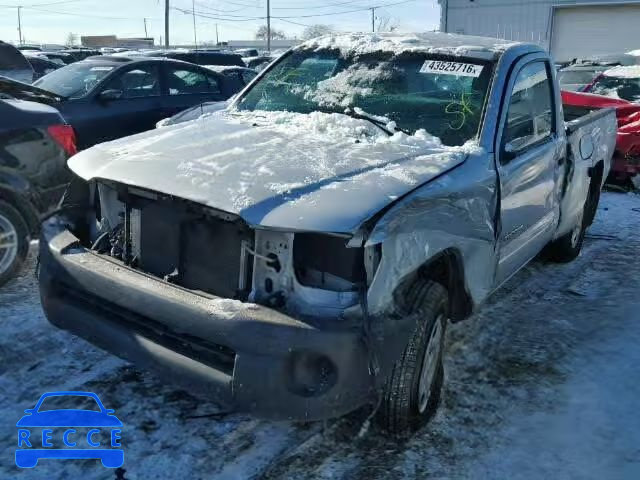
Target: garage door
584,31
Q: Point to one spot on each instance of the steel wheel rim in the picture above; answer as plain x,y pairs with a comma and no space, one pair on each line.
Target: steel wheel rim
577,230
430,364
8,244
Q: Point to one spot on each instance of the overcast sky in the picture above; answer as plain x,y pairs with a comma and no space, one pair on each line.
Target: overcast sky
52,20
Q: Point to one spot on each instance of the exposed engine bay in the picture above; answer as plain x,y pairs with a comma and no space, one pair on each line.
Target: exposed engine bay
217,253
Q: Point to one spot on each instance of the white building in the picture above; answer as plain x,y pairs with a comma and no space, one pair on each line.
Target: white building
568,28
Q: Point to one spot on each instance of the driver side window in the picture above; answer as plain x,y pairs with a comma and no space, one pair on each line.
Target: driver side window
137,83
530,118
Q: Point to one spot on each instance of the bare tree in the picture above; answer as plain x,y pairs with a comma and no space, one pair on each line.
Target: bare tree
72,39
313,31
386,23
261,34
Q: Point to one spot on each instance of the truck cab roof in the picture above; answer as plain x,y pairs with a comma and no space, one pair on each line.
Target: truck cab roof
484,48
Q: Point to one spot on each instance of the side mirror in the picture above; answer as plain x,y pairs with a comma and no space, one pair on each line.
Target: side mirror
510,148
110,95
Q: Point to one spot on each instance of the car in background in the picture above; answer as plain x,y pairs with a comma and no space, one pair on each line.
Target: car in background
26,47
81,53
108,97
58,57
111,50
237,78
625,165
247,52
35,143
200,57
241,76
13,64
577,77
621,82
41,66
259,62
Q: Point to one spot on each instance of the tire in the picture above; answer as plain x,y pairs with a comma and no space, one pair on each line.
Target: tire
567,247
14,241
409,400
593,200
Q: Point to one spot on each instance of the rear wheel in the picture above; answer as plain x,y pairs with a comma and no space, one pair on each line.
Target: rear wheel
412,392
567,247
14,241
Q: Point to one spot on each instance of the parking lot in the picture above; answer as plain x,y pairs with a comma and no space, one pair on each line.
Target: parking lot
542,383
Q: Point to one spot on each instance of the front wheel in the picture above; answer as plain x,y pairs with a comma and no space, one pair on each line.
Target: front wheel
412,393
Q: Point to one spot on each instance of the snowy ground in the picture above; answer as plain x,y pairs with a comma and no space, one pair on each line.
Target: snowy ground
543,383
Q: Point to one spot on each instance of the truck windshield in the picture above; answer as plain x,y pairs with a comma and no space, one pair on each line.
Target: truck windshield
442,95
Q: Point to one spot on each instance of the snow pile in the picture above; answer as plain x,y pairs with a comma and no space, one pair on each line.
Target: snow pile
429,42
358,80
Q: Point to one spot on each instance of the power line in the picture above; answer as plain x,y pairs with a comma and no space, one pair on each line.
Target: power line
82,14
42,4
245,18
348,11
206,8
327,5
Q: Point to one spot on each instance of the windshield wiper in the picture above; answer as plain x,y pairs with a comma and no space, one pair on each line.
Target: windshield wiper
361,116
381,124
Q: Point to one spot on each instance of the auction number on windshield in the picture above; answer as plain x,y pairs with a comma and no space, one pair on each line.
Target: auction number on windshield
451,68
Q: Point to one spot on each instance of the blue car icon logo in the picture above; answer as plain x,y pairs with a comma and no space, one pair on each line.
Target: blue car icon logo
69,433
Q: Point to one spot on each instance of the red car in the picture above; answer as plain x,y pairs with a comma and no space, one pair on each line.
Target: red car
626,159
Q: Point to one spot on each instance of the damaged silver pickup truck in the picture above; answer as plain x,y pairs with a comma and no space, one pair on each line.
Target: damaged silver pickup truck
300,253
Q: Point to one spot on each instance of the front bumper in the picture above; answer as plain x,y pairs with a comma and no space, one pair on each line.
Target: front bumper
244,356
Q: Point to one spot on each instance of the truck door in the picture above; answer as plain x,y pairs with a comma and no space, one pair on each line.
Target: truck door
530,151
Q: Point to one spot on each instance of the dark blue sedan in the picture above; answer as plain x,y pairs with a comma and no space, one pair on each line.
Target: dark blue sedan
105,98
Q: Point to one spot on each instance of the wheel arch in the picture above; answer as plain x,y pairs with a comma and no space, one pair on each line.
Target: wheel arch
596,173
23,205
447,269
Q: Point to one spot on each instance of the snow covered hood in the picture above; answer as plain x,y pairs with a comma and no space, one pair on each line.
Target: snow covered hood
315,172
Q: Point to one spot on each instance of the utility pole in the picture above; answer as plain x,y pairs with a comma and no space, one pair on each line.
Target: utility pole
373,20
217,39
146,34
19,26
193,10
268,25
166,23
